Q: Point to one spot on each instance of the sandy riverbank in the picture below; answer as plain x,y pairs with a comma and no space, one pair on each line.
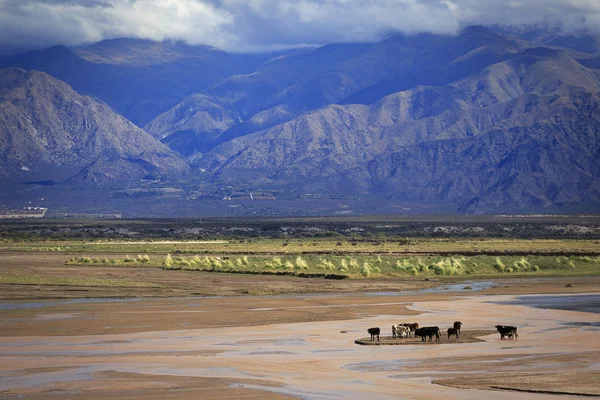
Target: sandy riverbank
294,346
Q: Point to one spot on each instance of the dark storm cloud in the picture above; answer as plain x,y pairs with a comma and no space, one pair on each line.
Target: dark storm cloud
263,24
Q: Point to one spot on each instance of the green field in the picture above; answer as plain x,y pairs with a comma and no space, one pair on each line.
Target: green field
363,266
447,246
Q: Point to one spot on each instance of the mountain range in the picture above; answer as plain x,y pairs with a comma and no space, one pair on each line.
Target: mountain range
491,120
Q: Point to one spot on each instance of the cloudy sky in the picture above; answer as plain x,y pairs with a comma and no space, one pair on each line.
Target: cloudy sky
249,25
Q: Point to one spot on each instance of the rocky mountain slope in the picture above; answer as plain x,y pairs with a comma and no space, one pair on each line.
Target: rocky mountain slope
346,73
521,133
50,132
485,121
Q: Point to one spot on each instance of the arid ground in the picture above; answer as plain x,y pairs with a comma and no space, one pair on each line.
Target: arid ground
288,337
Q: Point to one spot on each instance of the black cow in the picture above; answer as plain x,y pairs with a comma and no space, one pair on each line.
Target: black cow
507,330
428,331
452,331
457,325
374,332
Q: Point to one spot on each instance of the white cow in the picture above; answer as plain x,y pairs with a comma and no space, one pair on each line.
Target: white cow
400,331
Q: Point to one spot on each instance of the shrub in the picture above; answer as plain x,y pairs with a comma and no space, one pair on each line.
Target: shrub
326,264
289,265
300,263
168,261
344,264
499,265
277,262
366,270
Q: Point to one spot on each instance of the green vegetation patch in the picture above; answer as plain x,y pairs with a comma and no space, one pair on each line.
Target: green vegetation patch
361,266
388,266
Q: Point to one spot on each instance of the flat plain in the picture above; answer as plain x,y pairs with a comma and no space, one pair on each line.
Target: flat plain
140,328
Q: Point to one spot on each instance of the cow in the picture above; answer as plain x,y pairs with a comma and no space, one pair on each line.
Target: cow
507,330
428,331
374,332
452,331
400,331
412,327
457,325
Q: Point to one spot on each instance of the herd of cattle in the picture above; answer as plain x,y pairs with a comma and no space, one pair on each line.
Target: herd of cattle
428,332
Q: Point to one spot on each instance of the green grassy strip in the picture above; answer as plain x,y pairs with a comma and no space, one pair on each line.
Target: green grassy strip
365,266
324,247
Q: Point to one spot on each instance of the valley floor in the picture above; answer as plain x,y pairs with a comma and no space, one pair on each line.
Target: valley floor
302,345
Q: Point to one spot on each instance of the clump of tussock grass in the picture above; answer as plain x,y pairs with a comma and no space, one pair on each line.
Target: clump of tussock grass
301,263
366,270
353,264
499,265
168,262
449,266
288,265
326,264
565,261
521,265
277,263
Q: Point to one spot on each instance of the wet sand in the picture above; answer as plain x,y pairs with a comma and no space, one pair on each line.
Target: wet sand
471,336
297,347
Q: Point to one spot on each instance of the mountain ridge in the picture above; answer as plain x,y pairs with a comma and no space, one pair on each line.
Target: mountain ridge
46,125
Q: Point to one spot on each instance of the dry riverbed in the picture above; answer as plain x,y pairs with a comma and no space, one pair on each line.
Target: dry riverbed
161,342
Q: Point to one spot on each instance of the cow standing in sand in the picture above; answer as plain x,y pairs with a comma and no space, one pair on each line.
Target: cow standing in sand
428,332
457,325
452,331
507,330
412,327
400,331
374,332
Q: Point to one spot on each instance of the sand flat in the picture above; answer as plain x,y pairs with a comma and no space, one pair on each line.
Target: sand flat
270,348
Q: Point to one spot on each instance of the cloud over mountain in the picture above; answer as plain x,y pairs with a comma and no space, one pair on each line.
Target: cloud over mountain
248,25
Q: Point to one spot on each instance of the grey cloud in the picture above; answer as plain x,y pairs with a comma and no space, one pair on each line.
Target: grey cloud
266,24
